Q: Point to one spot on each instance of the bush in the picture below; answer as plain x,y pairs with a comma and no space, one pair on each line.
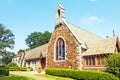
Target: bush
23,69
81,75
12,64
113,64
4,70
30,69
14,68
18,68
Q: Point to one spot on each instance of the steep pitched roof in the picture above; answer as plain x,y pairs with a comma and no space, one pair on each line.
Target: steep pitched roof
82,36
92,43
36,52
104,46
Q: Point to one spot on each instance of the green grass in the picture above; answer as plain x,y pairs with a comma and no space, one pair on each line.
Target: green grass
15,77
53,77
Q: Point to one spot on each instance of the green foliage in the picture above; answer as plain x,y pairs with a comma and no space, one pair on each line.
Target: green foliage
16,68
6,39
15,77
81,75
113,64
7,57
12,64
54,77
30,69
36,39
4,71
21,50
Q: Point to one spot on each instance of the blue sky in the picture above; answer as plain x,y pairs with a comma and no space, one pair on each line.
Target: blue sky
23,17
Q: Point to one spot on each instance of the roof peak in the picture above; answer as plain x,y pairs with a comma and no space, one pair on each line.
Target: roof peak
60,5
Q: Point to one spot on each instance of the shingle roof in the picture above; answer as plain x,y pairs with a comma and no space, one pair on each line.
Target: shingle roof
36,52
104,46
92,43
82,35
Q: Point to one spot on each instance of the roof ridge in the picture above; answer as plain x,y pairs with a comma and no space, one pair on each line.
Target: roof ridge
38,47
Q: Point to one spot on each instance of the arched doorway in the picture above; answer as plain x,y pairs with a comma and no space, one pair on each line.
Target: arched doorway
43,63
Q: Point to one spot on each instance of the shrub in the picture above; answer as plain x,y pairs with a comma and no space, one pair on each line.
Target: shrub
23,69
113,64
12,64
81,75
30,69
18,68
14,68
4,70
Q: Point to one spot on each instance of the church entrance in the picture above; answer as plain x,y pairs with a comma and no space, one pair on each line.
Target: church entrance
43,63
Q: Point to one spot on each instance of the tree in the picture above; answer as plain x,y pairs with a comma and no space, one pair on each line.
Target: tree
113,64
7,57
21,50
36,39
6,39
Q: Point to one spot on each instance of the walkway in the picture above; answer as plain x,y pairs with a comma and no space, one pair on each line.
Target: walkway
30,74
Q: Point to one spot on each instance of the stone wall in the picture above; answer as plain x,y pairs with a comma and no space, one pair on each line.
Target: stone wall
71,49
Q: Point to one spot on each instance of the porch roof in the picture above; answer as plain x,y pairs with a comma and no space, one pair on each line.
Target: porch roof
37,52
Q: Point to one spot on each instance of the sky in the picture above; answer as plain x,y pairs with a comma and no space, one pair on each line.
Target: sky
24,17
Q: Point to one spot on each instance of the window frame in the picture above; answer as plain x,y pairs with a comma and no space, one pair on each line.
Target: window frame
55,46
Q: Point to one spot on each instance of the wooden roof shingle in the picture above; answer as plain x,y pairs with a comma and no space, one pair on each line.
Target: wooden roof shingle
37,52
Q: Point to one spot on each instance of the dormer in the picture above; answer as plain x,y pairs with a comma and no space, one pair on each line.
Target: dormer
60,15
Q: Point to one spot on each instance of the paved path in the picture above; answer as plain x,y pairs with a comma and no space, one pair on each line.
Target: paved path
30,74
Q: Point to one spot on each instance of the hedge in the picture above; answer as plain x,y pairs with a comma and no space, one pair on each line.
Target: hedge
81,74
4,70
20,69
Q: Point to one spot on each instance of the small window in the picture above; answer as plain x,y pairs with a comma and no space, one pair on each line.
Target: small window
100,60
90,60
58,12
60,49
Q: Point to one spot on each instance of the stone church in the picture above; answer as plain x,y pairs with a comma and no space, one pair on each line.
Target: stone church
73,47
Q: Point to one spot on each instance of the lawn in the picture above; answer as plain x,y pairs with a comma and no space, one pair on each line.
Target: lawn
15,77
53,77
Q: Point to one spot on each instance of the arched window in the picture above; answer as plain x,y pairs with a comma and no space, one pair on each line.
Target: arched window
60,49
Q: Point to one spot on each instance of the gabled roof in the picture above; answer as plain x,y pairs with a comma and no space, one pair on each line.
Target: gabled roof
92,43
37,52
82,36
105,46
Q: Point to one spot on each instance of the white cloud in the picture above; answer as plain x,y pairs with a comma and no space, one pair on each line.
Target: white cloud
91,20
94,19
